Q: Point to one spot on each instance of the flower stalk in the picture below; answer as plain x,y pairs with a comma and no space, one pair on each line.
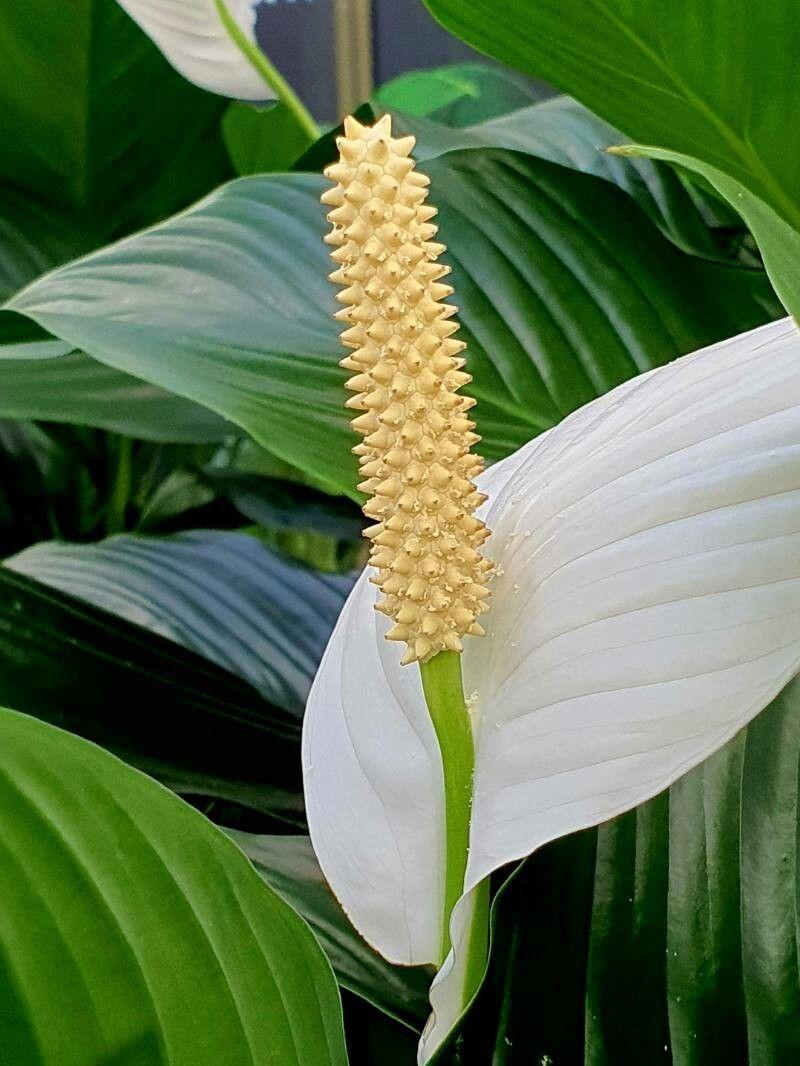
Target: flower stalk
444,695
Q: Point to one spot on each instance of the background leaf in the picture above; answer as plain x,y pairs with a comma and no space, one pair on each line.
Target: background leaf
129,914
47,485
565,289
713,83
564,131
163,708
459,94
778,242
95,123
263,140
59,384
288,864
34,238
222,595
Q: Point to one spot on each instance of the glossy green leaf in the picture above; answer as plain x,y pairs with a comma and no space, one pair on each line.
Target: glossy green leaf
95,122
669,934
262,140
133,931
47,380
225,314
778,242
564,285
288,507
43,378
459,94
163,708
715,82
34,238
322,531
288,864
222,595
563,131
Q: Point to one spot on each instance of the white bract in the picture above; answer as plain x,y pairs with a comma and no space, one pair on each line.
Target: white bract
646,606
194,37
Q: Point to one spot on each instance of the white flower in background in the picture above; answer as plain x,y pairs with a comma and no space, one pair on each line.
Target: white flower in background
210,42
646,605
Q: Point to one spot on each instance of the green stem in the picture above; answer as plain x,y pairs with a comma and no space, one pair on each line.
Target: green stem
272,77
444,694
117,507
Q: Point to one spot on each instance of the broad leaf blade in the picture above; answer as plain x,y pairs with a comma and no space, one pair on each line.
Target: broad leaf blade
778,242
48,381
565,289
222,595
95,122
127,913
263,140
158,705
288,864
563,131
714,83
459,94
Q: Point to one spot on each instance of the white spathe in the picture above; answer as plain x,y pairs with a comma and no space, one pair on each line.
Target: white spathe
646,606
193,37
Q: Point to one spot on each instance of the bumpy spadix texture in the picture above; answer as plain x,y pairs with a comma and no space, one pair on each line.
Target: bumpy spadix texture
415,457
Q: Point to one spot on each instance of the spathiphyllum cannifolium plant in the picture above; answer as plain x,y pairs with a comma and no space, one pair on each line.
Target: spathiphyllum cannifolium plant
645,599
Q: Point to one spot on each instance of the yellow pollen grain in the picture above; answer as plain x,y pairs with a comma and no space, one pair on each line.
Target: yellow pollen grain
415,458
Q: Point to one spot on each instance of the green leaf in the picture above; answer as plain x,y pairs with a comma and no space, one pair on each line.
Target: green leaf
262,140
232,311
563,131
288,864
296,518
778,242
669,934
48,380
163,708
457,95
130,915
34,238
565,289
286,506
94,121
43,378
222,595
715,83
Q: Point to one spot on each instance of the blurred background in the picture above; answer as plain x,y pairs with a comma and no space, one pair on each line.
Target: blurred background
334,52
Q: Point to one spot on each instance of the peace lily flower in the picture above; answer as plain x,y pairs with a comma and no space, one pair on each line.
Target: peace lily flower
645,604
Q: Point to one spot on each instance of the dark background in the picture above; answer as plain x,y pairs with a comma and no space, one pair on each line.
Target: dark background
298,37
